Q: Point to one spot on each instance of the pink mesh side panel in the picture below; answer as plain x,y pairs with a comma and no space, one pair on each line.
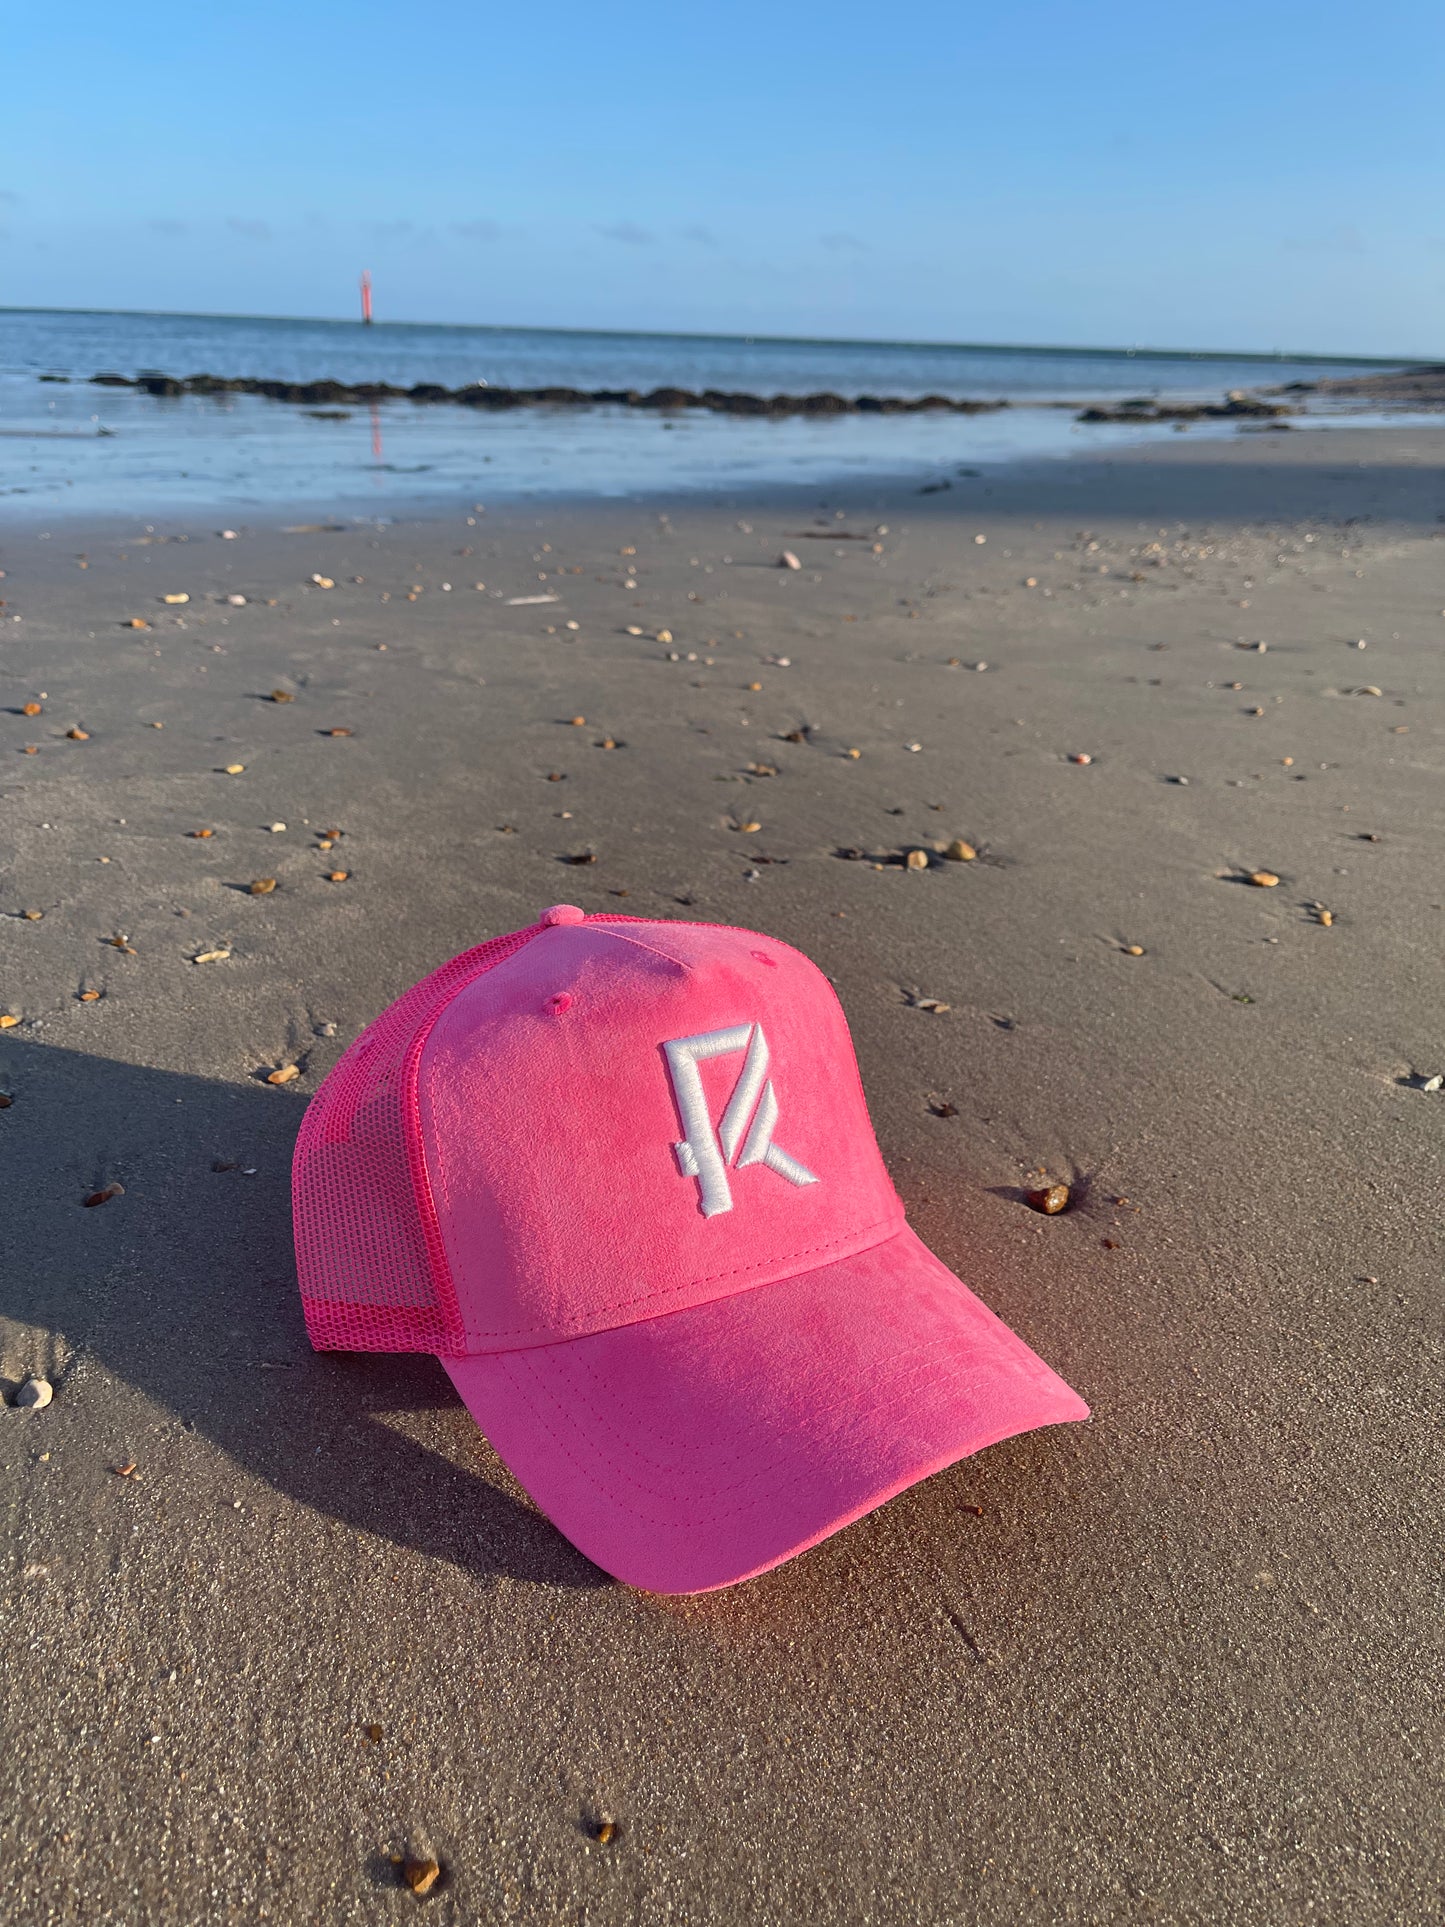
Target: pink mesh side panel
369,1255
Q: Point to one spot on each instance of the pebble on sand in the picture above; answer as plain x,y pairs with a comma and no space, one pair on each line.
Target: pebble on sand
420,1875
1050,1199
787,560
1263,879
34,1395
1081,756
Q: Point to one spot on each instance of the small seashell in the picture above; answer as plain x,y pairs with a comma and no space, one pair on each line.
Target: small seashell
283,1074
1049,1198
787,560
282,696
917,859
34,1395
261,886
323,581
1081,756
1133,950
1263,879
78,735
960,852
180,597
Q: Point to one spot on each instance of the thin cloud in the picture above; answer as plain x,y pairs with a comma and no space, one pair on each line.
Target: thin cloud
477,230
252,230
704,236
164,224
627,232
843,243
8,197
391,230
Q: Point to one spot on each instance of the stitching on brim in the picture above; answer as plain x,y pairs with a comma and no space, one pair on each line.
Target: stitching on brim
911,1359
676,1525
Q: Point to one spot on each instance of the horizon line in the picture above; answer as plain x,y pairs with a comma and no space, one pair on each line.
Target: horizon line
805,341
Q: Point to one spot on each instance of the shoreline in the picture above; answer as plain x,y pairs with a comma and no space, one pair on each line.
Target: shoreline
1011,472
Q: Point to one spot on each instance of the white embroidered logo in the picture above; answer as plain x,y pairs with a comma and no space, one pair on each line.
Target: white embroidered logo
705,1154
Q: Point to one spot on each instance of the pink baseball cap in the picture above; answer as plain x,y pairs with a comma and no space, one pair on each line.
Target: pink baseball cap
619,1176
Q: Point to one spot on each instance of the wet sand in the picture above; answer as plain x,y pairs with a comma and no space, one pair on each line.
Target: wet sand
1174,1665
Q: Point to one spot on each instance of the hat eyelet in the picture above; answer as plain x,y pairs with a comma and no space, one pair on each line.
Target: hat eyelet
558,1002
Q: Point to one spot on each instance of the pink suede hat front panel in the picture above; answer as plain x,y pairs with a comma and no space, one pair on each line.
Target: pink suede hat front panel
551,1100
698,1449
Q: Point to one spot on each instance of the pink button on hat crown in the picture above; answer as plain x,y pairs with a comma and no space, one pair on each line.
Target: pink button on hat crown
619,1176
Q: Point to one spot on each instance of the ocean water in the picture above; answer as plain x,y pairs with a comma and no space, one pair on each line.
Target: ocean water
68,447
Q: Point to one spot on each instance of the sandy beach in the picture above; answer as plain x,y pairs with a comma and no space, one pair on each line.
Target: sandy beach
275,1619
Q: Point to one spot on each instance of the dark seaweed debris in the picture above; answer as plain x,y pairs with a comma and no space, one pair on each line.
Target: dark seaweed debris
480,395
1144,408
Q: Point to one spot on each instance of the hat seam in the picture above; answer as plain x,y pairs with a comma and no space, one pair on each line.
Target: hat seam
625,1304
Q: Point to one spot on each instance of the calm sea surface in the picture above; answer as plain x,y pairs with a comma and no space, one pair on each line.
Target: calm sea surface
241,451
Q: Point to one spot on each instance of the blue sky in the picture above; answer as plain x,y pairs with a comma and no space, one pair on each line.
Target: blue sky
1243,176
